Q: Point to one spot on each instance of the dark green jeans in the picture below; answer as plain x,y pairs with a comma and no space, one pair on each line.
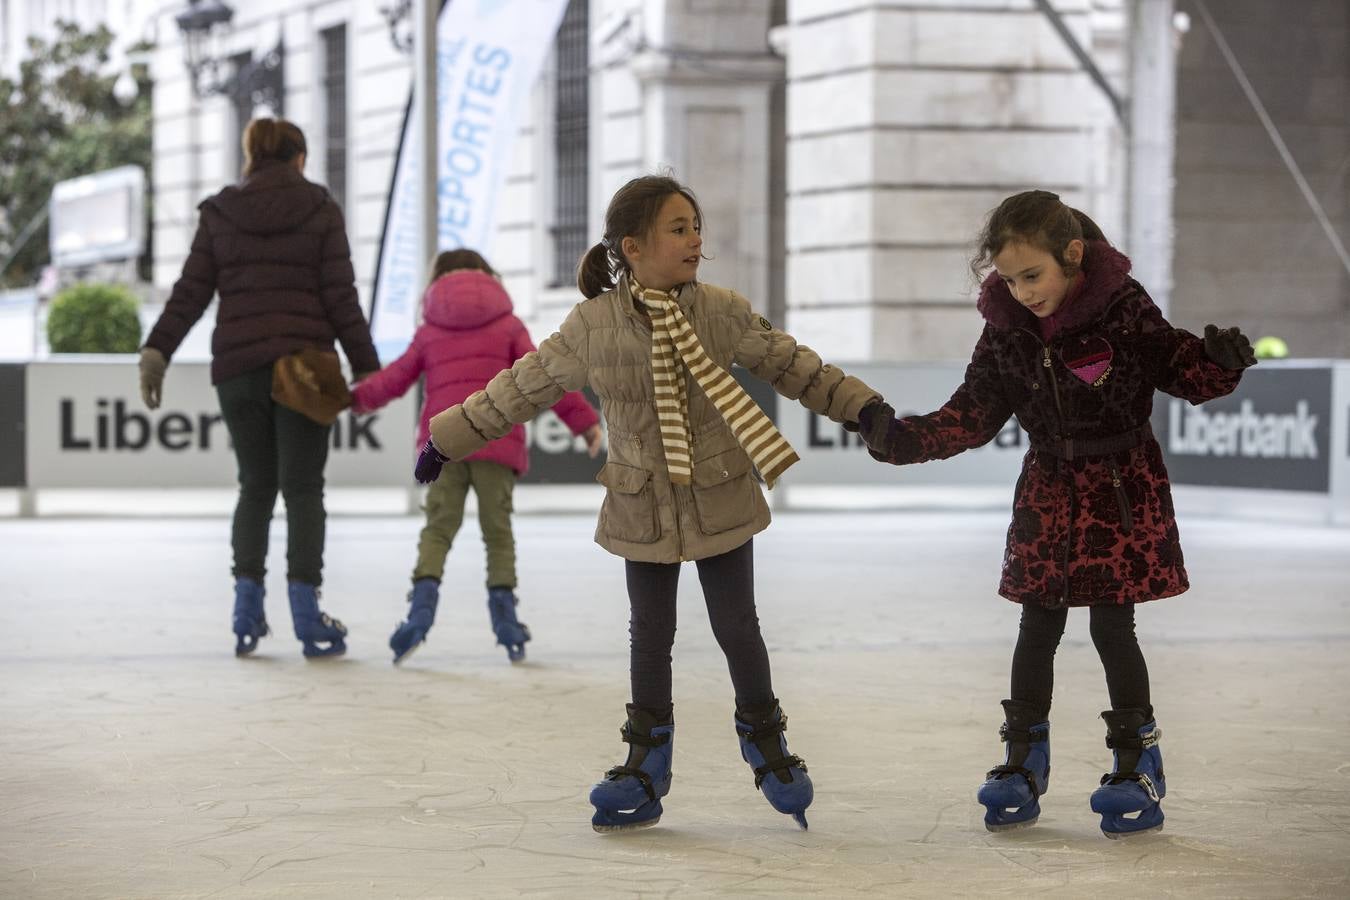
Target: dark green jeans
277,449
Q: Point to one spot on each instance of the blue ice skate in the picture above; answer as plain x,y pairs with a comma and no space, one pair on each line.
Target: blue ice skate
250,623
780,775
1128,799
410,634
629,796
511,633
1011,792
313,627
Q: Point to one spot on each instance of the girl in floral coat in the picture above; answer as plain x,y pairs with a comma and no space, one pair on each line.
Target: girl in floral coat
1074,347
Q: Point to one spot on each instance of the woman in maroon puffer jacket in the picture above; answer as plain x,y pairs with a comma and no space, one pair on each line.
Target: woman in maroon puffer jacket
469,334
1075,349
275,248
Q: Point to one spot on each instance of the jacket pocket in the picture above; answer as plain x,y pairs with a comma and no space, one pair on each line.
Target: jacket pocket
629,511
724,491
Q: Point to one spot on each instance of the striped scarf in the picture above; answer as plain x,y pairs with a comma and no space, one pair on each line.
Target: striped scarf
674,342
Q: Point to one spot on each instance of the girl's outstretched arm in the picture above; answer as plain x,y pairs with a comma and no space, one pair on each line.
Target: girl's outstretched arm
572,408
1176,361
534,383
976,412
389,383
795,370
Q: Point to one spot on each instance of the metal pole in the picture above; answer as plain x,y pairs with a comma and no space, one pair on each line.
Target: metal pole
424,101
1152,142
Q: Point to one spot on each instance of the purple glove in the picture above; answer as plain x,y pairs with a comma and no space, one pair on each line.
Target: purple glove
429,463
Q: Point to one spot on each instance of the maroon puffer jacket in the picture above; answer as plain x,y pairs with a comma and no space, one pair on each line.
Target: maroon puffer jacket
1088,527
275,247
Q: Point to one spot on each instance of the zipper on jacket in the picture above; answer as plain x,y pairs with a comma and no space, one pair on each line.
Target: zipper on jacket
1122,501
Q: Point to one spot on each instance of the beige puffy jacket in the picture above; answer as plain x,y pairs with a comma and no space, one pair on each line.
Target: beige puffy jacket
606,342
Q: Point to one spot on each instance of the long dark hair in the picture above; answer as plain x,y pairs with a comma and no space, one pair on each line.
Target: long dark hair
271,139
631,213
1038,218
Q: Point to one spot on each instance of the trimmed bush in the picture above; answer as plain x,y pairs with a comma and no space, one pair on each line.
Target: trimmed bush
94,318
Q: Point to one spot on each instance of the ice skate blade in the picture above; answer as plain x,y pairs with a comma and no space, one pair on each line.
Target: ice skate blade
1011,826
1127,835
612,829
800,819
321,653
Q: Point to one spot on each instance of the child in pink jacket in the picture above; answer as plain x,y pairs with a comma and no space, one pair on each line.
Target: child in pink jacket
469,334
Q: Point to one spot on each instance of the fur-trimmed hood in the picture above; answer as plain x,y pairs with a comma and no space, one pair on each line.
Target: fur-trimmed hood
1106,269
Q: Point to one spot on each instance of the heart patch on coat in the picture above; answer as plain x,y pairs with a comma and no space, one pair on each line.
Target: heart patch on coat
1089,361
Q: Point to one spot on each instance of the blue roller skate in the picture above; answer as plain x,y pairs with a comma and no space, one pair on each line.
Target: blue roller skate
1011,792
1128,799
250,623
313,627
780,775
410,634
630,795
511,633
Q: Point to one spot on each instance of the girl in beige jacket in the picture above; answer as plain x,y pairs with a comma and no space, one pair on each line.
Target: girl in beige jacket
684,440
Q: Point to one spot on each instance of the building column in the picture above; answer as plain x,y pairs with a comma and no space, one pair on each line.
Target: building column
906,125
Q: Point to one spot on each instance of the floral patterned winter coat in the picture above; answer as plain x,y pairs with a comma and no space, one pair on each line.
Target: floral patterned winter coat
1092,514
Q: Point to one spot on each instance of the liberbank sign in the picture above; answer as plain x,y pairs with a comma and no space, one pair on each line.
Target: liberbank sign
1274,432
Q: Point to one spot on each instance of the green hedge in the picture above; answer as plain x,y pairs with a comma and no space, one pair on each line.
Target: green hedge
94,318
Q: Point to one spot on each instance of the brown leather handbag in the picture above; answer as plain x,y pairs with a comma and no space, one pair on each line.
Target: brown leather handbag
311,382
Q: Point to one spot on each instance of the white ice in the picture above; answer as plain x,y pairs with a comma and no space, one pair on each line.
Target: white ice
139,758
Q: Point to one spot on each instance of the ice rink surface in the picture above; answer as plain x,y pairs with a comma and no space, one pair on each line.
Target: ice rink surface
139,758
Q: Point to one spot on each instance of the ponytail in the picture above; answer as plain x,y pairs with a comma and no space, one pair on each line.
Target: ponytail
595,274
1090,230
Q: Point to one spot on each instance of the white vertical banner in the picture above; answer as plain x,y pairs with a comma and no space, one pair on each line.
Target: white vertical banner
488,55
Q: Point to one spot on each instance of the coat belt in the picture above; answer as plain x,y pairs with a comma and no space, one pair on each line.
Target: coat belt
1072,448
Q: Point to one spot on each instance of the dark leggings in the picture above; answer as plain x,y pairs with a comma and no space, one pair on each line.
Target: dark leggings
276,449
729,592
1112,627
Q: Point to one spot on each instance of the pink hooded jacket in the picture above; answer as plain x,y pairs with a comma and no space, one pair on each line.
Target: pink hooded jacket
469,334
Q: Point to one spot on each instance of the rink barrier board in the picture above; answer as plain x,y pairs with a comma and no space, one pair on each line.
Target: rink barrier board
81,424
12,420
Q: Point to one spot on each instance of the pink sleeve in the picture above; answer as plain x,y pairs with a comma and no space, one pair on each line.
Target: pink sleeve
389,383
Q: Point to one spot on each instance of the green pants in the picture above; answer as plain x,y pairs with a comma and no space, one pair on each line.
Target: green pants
276,449
492,483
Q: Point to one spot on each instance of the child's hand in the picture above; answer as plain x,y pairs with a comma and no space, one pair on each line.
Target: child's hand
595,440
429,463
1228,348
874,424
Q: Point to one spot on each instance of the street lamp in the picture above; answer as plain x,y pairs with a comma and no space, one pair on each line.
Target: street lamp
205,26
398,15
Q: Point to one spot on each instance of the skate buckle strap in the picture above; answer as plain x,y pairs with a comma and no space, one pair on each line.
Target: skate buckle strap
764,731
1017,770
1032,735
632,737
643,778
786,762
1141,778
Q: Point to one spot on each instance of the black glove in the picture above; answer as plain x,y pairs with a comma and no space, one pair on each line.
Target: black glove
1229,348
874,423
429,463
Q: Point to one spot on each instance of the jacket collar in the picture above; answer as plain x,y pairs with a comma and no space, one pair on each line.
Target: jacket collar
1105,269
